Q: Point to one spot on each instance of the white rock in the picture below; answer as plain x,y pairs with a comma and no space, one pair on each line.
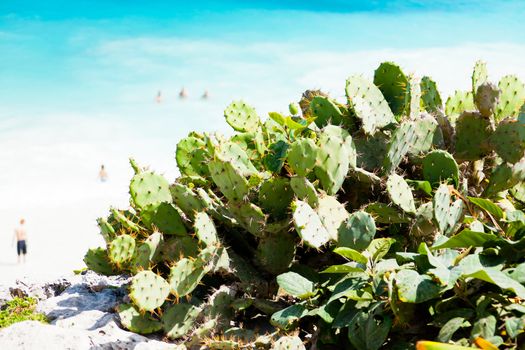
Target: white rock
33,335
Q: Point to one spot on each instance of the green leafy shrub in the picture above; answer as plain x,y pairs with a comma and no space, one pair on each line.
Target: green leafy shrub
18,310
369,224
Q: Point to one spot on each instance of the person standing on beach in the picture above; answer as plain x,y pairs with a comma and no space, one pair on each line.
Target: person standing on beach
21,239
102,174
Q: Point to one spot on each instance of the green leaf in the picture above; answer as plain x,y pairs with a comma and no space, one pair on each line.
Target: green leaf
351,254
500,279
342,269
465,239
292,124
484,327
518,274
278,118
379,247
448,330
368,330
487,205
354,288
514,326
274,159
421,185
415,288
296,285
286,318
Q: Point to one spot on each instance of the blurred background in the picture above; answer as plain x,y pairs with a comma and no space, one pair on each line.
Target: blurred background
91,82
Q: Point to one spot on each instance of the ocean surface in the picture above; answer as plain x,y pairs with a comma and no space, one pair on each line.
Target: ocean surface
79,80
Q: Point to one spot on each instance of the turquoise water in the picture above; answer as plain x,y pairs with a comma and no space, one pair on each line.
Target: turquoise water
103,56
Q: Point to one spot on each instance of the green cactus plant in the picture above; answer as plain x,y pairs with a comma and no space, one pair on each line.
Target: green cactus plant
242,117
386,215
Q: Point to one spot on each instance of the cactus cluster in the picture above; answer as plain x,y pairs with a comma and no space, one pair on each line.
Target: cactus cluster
346,221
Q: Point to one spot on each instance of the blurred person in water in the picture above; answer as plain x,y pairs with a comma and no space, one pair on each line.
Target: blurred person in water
21,241
102,174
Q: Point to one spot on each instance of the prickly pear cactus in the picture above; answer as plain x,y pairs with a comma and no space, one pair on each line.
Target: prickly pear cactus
148,290
366,224
368,104
149,188
393,83
511,99
242,117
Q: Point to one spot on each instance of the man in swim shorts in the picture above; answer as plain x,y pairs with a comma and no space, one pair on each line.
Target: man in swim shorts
21,238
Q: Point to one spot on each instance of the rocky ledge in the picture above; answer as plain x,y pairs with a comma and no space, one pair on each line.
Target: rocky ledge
81,311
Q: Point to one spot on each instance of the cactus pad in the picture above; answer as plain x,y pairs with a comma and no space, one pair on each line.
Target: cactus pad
326,111
147,251
179,319
386,214
480,76
276,252
165,217
125,223
250,216
332,215
186,199
414,98
399,146
333,160
309,225
136,322
509,140
149,188
472,136
371,150
148,290
304,190
441,205
439,166
97,260
502,178
458,103
106,230
430,95
192,156
368,104
185,275
511,99
242,117
393,83
205,229
426,134
229,180
230,152
446,215
275,196
121,249
400,193
358,231
302,156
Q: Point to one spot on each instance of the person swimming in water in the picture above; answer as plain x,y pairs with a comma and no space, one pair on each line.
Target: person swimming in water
21,241
183,94
158,99
102,174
